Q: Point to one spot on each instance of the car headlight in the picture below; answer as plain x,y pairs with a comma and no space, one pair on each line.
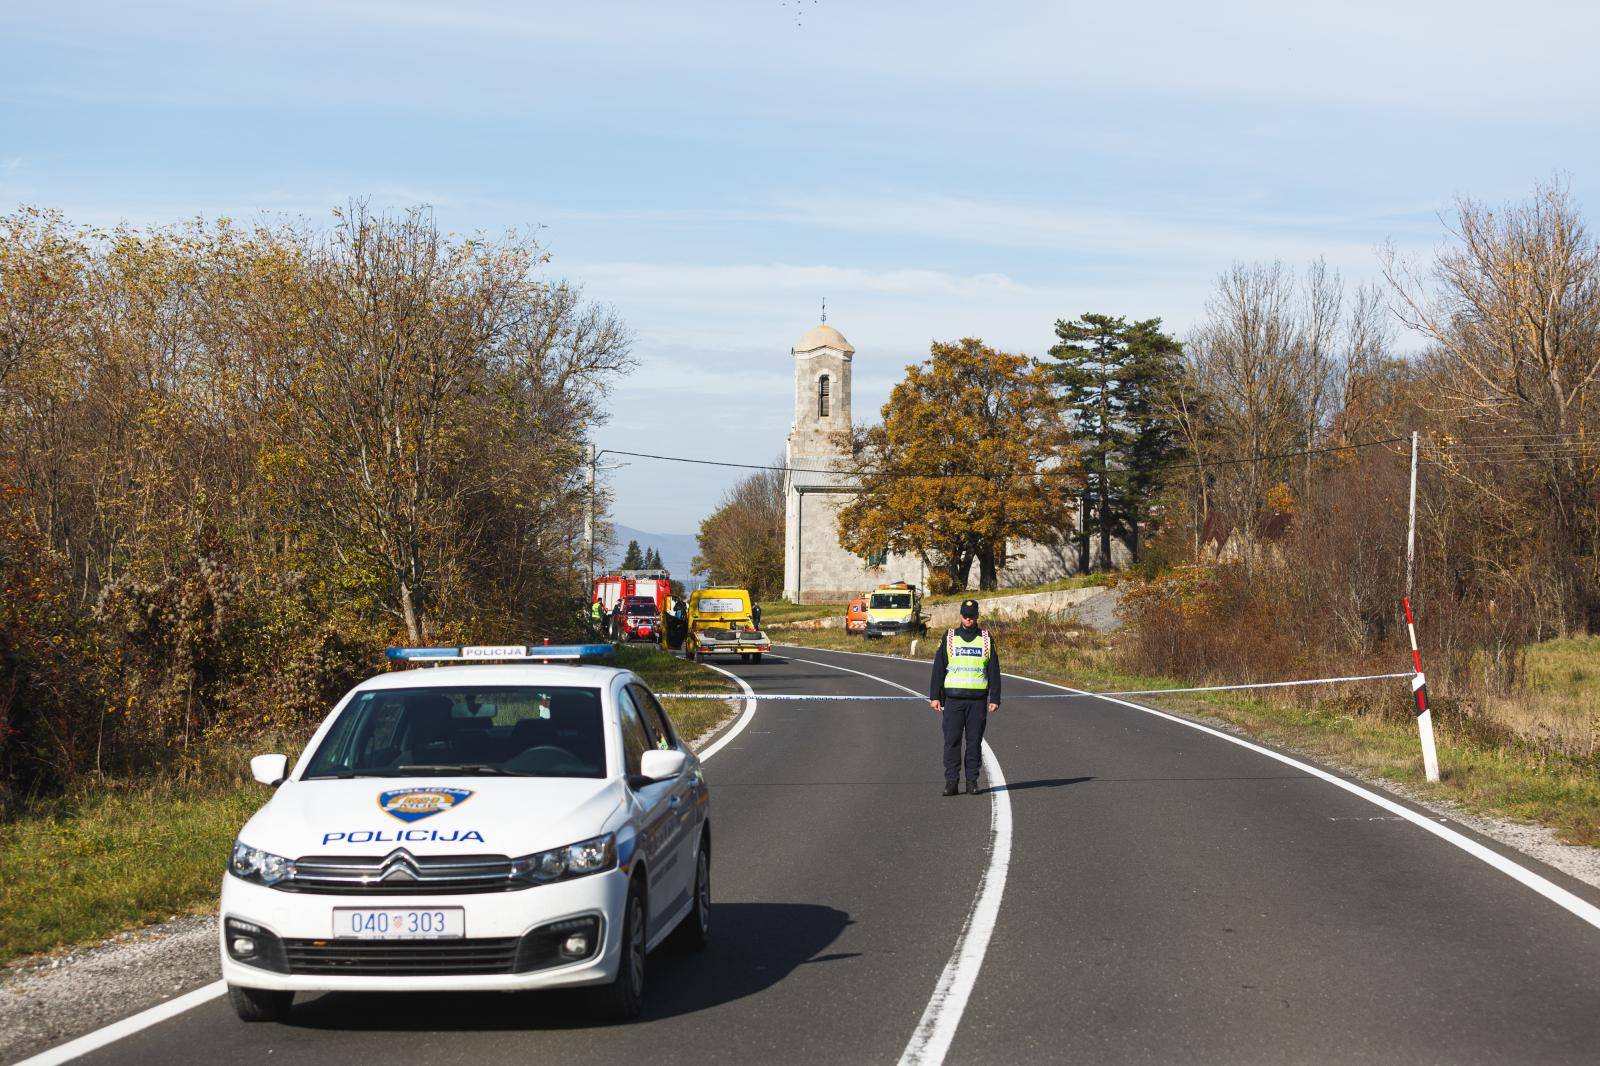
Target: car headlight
255,865
575,860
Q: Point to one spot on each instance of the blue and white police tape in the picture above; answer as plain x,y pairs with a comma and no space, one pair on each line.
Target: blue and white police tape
1032,696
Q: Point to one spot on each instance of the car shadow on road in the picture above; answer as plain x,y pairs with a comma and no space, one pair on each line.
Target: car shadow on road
754,946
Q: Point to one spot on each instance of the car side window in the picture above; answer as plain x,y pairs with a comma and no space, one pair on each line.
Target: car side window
635,741
655,717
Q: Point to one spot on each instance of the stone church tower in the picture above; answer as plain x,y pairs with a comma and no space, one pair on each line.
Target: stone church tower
816,569
821,395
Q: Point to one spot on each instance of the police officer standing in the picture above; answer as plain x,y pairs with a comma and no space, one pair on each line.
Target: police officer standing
966,690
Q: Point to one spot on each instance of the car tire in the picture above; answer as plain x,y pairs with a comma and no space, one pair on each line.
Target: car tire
744,656
755,657
694,932
260,1004
623,998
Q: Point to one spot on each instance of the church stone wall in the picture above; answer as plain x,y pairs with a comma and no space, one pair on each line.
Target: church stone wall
824,572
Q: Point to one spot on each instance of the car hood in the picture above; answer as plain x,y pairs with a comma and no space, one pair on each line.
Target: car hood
432,815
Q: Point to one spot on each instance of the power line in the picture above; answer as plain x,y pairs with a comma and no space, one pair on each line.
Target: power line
1284,455
1234,460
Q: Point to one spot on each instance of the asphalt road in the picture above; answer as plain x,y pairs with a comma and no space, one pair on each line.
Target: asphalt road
1171,897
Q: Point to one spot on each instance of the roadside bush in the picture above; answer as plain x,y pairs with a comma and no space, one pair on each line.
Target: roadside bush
52,706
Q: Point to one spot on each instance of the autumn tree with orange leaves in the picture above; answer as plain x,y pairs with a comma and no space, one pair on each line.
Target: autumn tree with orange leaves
971,458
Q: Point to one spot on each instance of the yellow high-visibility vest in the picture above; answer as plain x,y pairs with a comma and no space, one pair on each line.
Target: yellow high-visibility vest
966,661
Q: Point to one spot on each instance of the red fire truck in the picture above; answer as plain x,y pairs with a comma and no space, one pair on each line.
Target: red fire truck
631,588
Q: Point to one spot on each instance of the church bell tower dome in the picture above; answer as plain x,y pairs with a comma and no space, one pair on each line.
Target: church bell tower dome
822,336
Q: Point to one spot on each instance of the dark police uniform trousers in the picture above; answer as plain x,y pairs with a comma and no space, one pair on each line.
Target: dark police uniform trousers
964,712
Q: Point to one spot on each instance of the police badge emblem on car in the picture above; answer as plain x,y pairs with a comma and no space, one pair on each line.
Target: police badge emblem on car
414,804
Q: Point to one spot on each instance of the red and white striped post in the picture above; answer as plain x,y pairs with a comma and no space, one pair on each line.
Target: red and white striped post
1419,683
1419,688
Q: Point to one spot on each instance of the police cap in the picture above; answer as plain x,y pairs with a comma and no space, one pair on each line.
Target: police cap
969,608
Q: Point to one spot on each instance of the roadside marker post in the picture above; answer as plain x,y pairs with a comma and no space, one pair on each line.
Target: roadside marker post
1419,687
1419,684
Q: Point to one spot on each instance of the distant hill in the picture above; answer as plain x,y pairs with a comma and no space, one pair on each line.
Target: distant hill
677,551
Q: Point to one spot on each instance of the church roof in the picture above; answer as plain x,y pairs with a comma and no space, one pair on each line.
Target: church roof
807,475
823,336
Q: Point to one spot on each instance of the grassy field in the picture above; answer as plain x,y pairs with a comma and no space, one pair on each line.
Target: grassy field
77,869
1366,728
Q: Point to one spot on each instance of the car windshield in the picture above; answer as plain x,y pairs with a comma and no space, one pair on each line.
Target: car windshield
891,601
525,731
721,605
642,607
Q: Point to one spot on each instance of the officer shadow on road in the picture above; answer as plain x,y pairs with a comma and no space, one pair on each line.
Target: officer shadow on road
753,947
1044,782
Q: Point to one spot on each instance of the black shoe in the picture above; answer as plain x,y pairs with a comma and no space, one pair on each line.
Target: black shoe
950,788
972,788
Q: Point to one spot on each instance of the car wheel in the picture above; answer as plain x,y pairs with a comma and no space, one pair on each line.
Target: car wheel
623,998
260,1004
755,657
694,932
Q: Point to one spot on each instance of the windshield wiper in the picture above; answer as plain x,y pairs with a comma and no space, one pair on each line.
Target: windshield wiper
441,768
347,775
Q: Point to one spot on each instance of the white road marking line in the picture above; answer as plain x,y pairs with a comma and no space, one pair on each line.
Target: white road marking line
162,1011
930,1041
1568,901
744,719
126,1027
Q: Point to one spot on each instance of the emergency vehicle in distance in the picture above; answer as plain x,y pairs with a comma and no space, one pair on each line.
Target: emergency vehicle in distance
855,615
720,622
509,824
638,620
895,608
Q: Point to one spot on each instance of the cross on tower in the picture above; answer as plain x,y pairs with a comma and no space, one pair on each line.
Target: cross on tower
824,310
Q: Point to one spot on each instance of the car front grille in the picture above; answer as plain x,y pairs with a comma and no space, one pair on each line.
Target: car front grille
401,958
400,874
562,943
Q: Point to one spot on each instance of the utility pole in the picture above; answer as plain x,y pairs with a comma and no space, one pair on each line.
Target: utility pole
1419,683
590,460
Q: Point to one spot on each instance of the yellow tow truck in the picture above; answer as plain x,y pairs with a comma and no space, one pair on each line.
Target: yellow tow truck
895,608
720,622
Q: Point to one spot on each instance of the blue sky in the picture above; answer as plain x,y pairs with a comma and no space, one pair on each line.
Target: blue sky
712,170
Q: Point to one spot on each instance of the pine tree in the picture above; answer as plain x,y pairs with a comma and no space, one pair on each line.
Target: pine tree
1111,372
633,558
652,559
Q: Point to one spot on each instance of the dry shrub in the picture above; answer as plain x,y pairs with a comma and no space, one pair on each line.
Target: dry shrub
1208,624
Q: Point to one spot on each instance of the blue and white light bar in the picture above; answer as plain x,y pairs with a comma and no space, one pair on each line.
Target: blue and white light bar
500,652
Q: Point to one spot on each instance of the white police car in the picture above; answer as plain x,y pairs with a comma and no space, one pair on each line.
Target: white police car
495,826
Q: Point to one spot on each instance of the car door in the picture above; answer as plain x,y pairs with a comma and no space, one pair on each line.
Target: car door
657,822
687,800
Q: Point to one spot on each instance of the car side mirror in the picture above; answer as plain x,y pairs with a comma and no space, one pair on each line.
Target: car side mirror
270,769
662,764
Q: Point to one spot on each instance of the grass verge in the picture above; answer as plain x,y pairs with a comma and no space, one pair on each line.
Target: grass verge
1363,728
77,869
666,672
